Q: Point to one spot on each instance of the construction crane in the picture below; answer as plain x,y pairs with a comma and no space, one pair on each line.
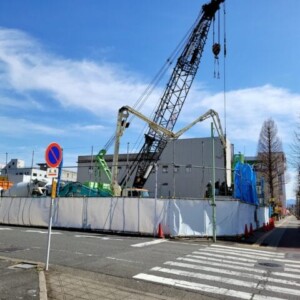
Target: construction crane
174,95
122,124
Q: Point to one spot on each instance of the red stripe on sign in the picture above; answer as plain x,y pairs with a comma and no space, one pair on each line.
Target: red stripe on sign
52,152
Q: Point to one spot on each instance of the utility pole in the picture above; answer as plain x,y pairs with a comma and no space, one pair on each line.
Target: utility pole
213,204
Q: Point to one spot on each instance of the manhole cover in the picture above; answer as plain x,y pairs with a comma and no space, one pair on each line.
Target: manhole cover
270,265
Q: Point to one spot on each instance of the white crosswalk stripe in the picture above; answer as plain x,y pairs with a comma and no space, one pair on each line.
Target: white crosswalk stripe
234,272
262,252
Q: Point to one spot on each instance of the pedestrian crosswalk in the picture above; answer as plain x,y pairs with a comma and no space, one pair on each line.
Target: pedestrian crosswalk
230,272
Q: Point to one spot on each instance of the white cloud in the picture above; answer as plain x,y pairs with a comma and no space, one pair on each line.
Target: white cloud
247,109
99,88
21,127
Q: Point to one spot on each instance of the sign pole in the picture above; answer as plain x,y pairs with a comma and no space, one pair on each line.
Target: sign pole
53,156
53,194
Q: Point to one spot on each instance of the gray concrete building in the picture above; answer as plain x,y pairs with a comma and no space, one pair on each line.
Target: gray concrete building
184,168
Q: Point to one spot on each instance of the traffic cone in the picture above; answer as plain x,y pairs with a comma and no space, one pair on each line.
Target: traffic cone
251,229
246,231
272,223
160,231
264,226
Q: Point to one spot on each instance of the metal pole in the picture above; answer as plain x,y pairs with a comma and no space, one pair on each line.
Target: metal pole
213,185
127,165
53,194
92,164
59,175
156,169
174,187
6,173
155,195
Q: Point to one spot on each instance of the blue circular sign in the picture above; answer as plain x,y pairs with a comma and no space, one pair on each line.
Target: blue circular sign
53,155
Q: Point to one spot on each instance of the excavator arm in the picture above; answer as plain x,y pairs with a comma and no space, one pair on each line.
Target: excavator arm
210,113
160,131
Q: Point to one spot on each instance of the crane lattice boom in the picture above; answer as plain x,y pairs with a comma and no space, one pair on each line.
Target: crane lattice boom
175,94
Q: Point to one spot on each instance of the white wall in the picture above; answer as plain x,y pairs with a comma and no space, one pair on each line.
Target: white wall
178,217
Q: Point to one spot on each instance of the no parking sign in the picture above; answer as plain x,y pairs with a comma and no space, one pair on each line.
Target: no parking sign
53,155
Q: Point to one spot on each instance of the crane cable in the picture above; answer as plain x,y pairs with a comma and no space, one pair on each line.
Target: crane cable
175,54
224,69
216,48
153,84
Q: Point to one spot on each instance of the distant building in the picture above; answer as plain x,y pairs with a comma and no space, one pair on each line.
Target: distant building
66,175
16,172
184,168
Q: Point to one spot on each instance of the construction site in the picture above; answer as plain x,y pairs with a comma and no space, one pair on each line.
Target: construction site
172,186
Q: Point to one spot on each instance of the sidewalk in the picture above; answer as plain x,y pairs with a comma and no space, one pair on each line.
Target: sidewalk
67,283
30,281
18,280
268,238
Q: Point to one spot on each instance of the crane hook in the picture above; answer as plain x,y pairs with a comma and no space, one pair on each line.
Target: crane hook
216,48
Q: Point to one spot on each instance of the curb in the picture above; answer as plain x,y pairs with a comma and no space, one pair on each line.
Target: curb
39,268
42,285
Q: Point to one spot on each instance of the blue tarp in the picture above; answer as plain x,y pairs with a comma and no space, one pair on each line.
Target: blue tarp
245,183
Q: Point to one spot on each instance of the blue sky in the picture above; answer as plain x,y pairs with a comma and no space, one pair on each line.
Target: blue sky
66,66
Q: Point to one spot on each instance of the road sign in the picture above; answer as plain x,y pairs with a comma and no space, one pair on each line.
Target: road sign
52,172
53,155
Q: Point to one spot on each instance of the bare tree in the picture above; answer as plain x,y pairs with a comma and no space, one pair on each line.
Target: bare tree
270,155
295,162
295,147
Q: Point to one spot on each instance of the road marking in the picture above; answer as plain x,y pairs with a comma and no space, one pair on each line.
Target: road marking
262,297
234,273
249,250
41,231
204,253
241,254
247,254
125,260
218,264
5,228
291,266
214,270
288,261
97,237
260,286
286,275
234,270
225,280
221,260
149,243
292,270
273,288
194,286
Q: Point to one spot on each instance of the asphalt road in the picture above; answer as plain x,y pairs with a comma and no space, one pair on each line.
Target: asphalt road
187,268
109,254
